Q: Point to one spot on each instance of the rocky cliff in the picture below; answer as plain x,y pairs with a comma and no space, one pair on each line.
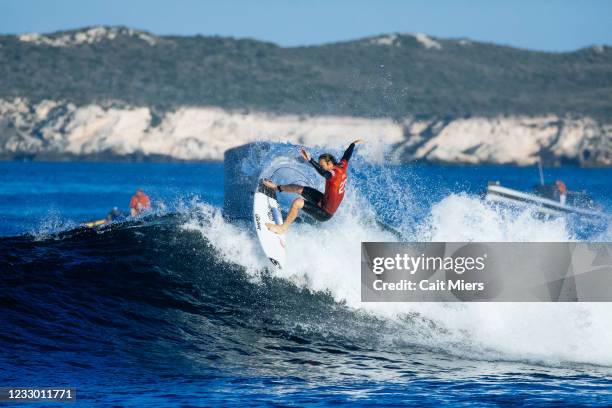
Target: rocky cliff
62,130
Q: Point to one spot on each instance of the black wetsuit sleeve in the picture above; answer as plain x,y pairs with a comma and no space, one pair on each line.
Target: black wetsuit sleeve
348,153
320,169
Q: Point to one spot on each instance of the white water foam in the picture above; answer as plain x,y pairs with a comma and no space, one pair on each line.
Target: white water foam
233,243
327,258
52,224
460,217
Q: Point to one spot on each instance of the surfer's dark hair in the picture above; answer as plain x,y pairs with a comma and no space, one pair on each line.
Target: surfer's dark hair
328,158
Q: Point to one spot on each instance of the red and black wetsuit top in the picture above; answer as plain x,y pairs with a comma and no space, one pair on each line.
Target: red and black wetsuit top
335,181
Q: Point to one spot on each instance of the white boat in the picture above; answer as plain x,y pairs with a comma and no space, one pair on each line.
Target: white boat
547,199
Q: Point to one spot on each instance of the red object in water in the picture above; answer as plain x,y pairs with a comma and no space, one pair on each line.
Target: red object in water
140,202
561,186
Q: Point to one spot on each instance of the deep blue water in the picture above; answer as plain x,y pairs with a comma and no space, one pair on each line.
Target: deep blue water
36,196
39,195
148,312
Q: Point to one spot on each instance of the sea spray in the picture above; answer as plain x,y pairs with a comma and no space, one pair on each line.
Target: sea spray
326,258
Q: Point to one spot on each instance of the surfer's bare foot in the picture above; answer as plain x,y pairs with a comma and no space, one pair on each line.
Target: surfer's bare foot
269,184
279,229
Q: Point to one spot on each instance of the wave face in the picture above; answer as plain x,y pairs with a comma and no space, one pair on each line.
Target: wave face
183,303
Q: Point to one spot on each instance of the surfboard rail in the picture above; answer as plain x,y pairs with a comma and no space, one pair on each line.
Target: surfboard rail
267,210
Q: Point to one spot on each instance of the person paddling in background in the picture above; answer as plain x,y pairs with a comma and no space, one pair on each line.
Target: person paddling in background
115,215
139,203
321,206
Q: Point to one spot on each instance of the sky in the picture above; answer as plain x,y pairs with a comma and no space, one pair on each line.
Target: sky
550,25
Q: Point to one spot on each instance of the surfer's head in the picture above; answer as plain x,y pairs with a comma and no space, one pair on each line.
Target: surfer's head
327,161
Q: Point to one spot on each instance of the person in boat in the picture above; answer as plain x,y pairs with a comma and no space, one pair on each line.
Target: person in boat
320,206
556,191
562,191
139,203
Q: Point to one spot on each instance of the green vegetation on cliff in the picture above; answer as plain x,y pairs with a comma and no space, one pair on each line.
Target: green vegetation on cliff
394,76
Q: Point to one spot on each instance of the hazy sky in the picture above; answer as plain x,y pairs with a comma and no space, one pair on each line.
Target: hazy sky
555,25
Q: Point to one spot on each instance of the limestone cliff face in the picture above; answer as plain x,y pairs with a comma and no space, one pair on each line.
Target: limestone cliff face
516,140
56,130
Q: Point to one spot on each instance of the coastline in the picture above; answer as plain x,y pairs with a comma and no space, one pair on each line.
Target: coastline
60,131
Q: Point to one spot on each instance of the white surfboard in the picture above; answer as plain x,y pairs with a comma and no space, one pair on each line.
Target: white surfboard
266,210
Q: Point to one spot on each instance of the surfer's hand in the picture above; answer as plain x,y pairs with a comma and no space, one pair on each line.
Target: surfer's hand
359,141
305,154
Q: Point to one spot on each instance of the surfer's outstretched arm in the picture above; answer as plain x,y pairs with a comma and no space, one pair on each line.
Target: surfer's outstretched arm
349,151
319,169
315,164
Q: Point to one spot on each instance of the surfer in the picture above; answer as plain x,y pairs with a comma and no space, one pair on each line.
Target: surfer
321,206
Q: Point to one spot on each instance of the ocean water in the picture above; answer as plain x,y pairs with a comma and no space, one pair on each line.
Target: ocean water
178,308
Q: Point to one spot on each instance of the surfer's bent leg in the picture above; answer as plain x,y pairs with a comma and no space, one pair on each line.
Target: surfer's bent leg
312,205
297,204
286,188
291,188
